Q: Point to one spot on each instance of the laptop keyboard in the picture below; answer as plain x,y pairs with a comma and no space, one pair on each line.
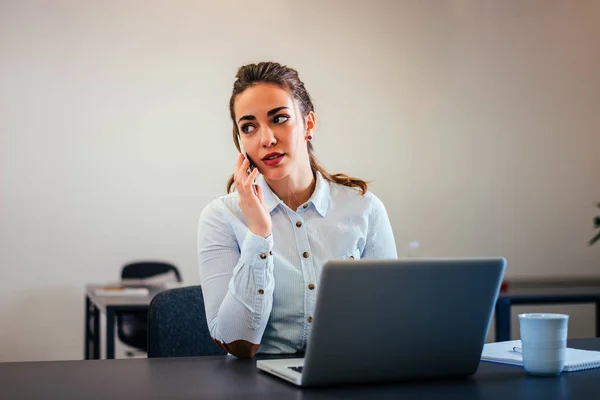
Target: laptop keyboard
297,369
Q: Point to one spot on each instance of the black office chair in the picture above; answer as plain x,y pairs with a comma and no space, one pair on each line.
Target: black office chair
132,326
177,325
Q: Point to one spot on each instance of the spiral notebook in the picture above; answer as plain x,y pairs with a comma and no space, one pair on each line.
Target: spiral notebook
502,352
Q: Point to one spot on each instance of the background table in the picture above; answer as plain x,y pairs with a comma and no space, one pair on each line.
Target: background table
544,291
228,377
109,306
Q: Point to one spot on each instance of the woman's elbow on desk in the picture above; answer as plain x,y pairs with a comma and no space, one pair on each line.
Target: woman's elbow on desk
239,348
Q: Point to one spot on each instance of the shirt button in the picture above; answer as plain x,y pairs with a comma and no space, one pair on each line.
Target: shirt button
270,253
309,319
299,224
260,291
305,254
263,255
352,257
305,206
311,286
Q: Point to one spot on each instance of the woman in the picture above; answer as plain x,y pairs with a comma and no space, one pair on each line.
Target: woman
262,246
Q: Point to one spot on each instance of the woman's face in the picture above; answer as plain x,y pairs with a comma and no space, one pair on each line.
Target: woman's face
273,130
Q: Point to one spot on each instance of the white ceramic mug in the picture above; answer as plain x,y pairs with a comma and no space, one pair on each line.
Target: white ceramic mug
544,342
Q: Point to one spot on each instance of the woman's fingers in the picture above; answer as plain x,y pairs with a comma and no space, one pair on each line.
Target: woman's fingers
249,182
259,193
239,163
244,180
251,176
243,169
241,173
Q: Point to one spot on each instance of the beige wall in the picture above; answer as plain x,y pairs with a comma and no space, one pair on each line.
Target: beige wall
479,122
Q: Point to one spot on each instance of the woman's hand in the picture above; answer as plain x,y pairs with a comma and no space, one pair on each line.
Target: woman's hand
251,203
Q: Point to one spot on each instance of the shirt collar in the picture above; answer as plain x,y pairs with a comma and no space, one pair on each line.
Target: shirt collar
321,195
319,198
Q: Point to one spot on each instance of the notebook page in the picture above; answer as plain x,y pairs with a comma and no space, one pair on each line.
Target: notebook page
502,352
581,359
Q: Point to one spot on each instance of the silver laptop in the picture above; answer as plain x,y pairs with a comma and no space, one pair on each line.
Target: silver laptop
394,320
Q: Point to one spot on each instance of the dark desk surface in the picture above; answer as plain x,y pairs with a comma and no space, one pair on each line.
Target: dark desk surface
227,377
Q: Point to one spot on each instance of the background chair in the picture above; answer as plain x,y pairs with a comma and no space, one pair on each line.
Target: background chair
132,327
177,325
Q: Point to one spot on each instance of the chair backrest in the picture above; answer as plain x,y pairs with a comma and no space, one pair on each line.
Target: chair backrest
177,325
147,269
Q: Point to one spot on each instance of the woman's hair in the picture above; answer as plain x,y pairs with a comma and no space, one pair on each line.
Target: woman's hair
286,78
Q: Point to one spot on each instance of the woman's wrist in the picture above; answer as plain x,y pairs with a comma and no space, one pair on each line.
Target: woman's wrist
262,233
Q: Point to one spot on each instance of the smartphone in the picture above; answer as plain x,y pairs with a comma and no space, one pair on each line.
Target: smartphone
251,167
